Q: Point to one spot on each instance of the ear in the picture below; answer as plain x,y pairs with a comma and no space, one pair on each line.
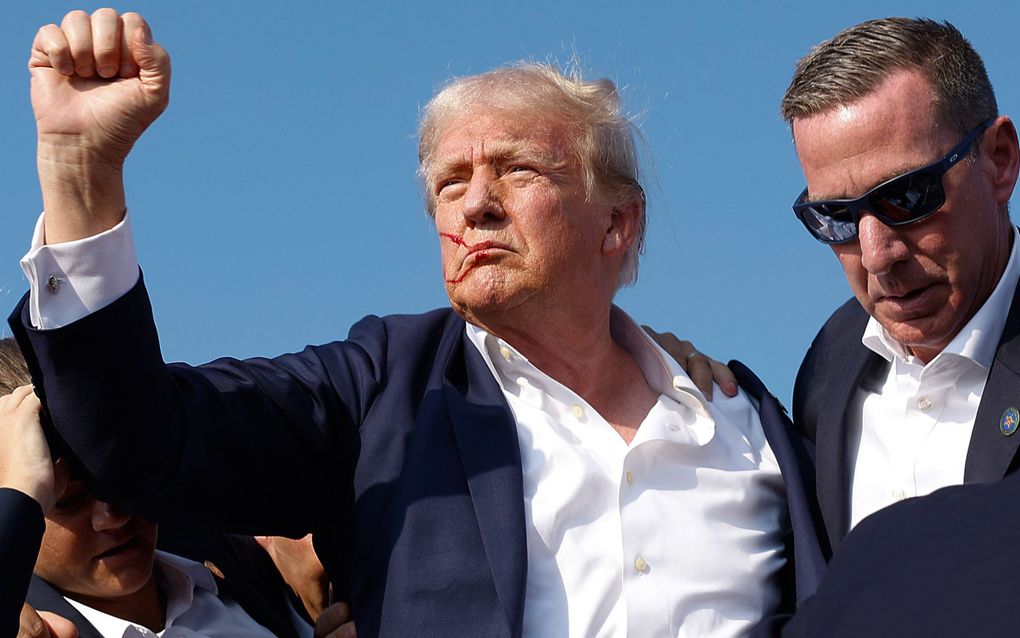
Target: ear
1000,145
625,222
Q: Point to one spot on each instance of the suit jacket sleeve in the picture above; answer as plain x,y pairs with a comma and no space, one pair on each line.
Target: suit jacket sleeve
250,446
21,530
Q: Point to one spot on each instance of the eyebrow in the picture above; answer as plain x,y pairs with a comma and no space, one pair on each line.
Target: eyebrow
501,151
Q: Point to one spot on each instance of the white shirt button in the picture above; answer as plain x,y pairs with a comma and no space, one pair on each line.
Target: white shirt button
630,478
505,352
577,411
641,565
899,495
924,404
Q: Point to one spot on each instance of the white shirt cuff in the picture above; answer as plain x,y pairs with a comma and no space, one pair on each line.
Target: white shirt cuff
71,280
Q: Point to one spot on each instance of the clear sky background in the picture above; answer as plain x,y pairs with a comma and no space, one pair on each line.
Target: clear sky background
275,202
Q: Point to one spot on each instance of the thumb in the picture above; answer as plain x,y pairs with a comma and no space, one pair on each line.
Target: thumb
59,626
153,60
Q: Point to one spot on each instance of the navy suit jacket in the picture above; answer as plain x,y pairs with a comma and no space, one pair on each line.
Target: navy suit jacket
939,565
21,530
829,377
396,446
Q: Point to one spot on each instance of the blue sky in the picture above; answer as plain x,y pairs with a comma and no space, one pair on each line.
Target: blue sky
275,202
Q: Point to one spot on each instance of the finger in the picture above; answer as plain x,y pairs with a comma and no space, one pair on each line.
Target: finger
331,619
19,395
724,378
130,23
50,49
77,29
106,42
59,627
31,625
153,62
699,369
347,630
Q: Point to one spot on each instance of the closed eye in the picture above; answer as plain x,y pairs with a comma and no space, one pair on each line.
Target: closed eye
519,168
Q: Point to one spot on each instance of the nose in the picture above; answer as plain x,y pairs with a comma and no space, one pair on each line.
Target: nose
881,246
108,517
483,201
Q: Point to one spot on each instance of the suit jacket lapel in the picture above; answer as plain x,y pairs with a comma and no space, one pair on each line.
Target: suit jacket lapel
832,445
795,462
43,597
991,452
487,437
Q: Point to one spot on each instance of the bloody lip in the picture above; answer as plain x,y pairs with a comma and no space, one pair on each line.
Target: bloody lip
472,248
476,253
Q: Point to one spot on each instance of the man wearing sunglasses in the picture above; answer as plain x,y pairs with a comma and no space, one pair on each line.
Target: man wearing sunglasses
909,167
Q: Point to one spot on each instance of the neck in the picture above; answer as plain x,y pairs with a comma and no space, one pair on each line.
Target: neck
580,353
145,607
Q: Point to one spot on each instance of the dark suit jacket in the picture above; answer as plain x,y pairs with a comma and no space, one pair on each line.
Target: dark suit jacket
249,578
21,530
939,565
830,375
396,445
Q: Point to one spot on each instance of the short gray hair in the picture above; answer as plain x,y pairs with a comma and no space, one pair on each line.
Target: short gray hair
603,140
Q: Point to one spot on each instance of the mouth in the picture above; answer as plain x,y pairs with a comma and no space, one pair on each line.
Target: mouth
477,254
911,301
132,544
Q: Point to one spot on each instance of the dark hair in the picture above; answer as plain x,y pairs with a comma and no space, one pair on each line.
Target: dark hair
13,369
857,60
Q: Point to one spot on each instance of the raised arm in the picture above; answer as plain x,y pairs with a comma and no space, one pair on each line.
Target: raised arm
97,83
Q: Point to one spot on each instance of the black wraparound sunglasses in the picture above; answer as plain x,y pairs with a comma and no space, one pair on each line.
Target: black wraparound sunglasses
904,199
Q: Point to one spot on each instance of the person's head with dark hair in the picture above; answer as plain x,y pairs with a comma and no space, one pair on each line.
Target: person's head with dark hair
909,172
13,370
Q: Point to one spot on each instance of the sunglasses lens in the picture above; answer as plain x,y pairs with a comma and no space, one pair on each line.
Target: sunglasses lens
909,198
830,223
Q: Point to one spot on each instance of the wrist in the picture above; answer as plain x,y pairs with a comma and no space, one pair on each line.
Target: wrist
32,488
82,191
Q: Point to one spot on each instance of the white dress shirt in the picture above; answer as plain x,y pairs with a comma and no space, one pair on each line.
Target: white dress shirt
910,423
679,533
193,609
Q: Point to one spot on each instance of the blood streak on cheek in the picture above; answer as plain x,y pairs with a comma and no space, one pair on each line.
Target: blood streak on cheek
457,239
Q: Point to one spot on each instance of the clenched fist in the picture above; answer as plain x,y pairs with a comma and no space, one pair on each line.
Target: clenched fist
97,83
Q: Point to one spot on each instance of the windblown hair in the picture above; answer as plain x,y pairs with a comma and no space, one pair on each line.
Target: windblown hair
856,61
13,370
603,137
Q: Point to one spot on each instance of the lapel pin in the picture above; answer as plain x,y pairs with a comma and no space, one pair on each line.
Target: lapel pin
1009,421
214,569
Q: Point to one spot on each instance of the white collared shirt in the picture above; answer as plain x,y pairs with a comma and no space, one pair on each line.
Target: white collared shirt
679,533
193,609
910,424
